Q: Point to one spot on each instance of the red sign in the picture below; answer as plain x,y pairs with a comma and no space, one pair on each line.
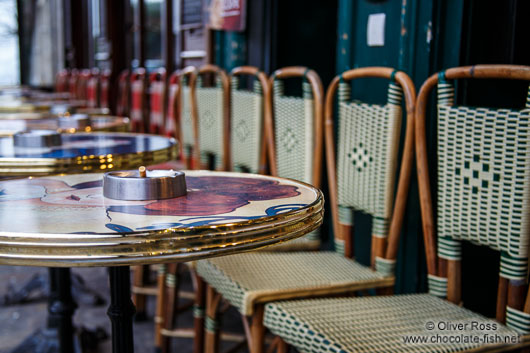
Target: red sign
228,15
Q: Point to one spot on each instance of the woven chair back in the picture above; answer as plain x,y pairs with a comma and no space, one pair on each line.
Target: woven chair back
61,80
483,189
138,102
172,109
247,109
212,113
363,159
157,99
92,89
368,142
122,106
296,129
104,89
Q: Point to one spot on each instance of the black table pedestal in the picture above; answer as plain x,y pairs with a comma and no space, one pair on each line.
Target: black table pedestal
121,310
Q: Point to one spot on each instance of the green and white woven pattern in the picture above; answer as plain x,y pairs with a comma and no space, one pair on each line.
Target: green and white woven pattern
243,278
367,154
246,126
294,135
483,194
518,320
186,122
437,286
372,324
210,106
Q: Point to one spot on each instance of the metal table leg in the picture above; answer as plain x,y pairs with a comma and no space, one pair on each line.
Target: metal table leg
121,310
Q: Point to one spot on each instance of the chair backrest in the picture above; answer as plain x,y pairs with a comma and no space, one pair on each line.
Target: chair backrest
82,81
362,164
157,99
187,127
61,80
247,110
483,191
294,126
172,109
213,117
104,89
72,83
92,89
122,104
137,110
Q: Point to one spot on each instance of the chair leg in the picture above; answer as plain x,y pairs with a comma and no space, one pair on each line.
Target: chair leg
212,335
139,299
198,312
257,330
282,346
160,305
170,304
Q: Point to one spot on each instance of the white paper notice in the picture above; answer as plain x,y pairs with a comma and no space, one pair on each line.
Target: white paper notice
375,31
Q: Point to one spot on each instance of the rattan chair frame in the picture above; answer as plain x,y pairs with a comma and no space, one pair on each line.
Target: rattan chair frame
510,293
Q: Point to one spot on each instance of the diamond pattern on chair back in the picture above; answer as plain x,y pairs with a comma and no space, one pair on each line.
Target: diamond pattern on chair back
210,111
294,121
368,142
246,126
483,174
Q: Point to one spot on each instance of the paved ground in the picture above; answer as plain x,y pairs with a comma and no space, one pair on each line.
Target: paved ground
17,322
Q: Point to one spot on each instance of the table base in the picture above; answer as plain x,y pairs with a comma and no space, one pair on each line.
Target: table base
121,310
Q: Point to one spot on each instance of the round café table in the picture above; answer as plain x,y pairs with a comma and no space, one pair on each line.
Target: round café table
79,153
13,123
65,221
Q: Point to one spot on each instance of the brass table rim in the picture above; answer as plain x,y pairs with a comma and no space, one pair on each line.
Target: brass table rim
160,246
46,166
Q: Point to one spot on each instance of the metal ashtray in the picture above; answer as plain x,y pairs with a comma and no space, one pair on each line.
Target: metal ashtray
143,185
37,138
75,121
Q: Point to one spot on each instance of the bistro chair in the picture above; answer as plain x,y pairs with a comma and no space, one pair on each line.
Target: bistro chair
289,113
92,89
213,118
122,104
104,89
138,107
61,80
368,145
157,98
248,155
482,197
81,89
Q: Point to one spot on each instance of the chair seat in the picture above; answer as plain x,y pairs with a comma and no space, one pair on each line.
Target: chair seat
309,242
259,277
375,324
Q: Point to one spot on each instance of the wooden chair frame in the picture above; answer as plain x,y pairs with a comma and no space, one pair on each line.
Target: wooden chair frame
262,77
94,76
511,293
225,81
139,74
104,89
318,93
